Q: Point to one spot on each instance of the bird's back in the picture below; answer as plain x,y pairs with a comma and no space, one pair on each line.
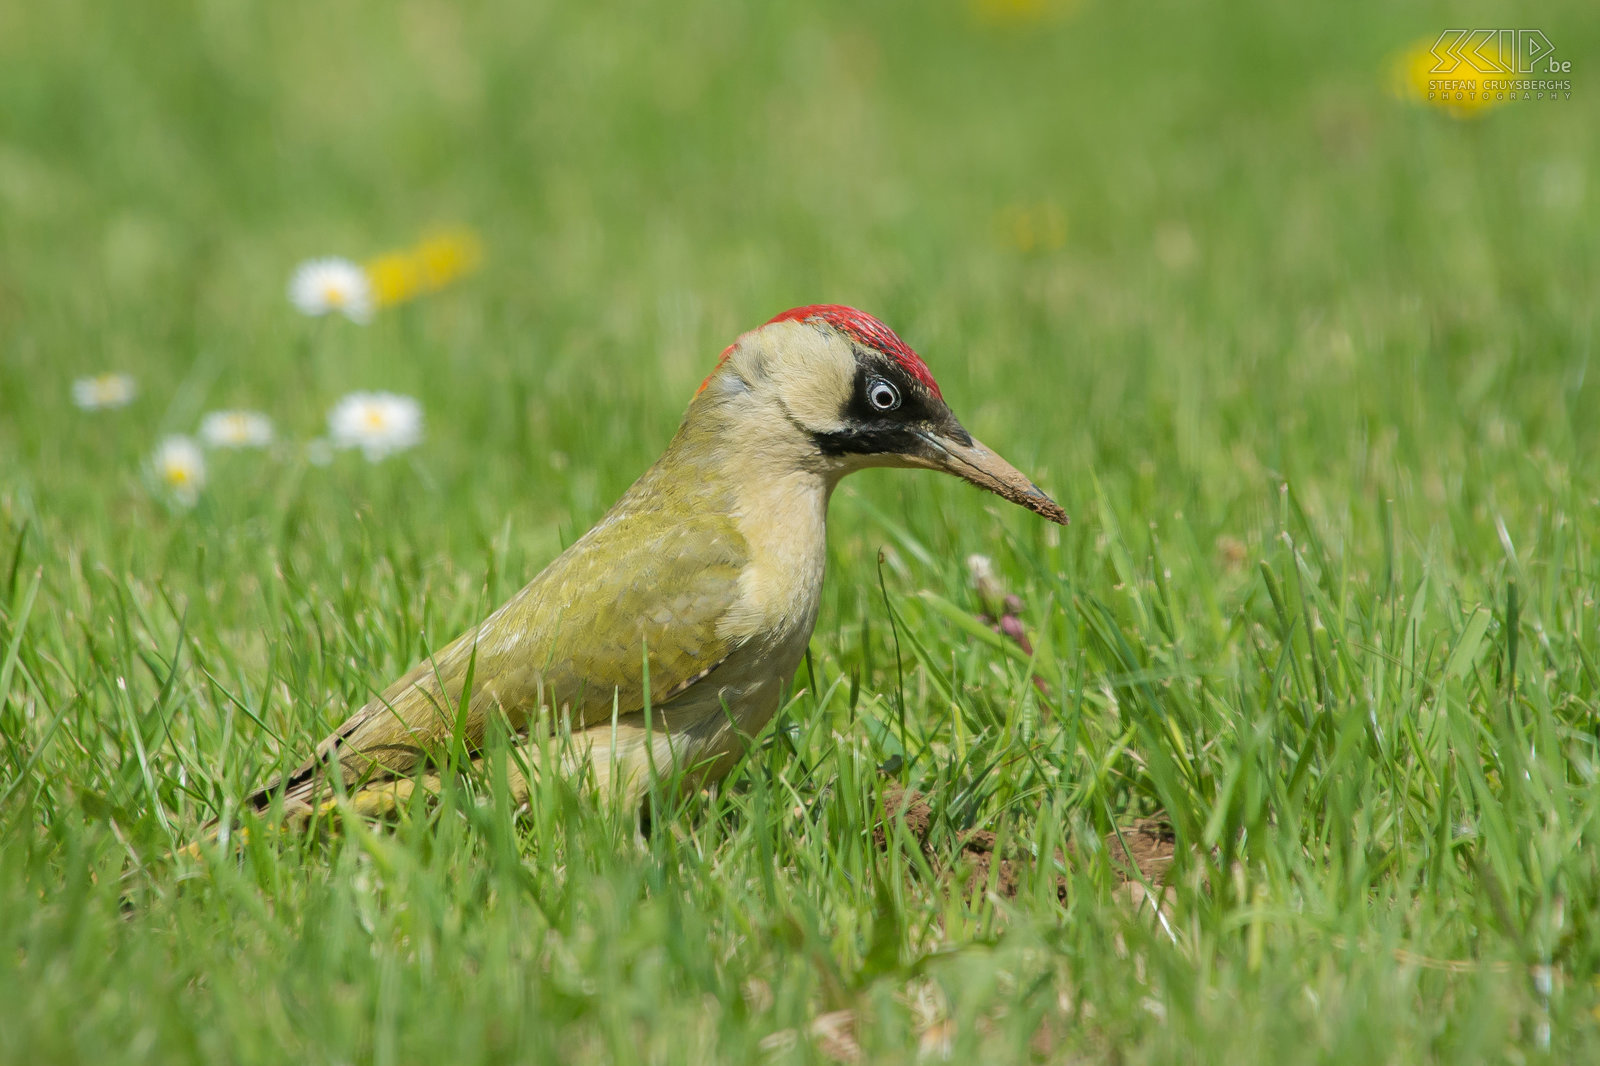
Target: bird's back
656,578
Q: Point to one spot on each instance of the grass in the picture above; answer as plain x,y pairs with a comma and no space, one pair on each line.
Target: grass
1310,367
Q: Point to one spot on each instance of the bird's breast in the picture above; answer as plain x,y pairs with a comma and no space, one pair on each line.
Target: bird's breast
769,625
784,522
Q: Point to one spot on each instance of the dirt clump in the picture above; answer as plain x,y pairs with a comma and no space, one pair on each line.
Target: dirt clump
911,804
1141,851
1146,845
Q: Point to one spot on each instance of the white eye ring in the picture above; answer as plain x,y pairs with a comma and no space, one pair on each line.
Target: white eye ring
882,395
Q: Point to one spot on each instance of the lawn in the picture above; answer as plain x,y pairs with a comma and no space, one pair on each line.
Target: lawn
1309,363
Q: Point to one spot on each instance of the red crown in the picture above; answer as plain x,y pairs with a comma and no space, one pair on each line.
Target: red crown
858,326
864,329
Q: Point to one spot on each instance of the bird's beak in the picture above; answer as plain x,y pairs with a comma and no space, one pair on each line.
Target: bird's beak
969,458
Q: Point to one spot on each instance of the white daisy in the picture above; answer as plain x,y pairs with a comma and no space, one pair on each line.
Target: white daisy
180,468
980,569
104,391
320,286
981,572
236,429
378,423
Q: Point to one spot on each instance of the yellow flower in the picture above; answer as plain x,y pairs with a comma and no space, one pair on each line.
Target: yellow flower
449,255
433,263
395,277
1425,75
1040,227
1021,12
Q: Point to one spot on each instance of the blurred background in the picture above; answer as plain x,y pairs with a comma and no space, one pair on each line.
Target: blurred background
1176,243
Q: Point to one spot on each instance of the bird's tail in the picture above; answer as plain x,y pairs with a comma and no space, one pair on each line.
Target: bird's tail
614,760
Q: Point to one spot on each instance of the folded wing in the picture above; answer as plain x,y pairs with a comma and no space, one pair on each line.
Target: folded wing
574,640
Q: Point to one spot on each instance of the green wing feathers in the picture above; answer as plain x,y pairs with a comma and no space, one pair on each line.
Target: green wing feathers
572,640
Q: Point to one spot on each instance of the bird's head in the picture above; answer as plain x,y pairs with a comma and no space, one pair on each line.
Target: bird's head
843,392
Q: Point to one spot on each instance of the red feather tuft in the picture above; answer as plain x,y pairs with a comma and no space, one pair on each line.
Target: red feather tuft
720,360
866,330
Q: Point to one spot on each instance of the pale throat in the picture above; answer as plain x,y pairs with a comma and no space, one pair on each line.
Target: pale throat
781,508
783,512
780,490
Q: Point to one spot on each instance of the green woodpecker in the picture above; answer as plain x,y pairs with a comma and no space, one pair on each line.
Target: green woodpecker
709,567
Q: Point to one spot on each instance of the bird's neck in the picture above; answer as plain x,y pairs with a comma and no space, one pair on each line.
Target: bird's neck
758,471
749,457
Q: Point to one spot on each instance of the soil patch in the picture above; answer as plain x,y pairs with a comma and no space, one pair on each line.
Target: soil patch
1141,850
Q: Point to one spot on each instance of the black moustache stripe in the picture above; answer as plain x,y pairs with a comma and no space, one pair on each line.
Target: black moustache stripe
870,440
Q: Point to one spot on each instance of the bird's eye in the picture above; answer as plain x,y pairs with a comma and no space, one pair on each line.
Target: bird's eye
882,395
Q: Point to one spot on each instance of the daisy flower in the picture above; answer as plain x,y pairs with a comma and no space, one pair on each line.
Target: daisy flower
104,391
180,468
321,286
236,429
379,423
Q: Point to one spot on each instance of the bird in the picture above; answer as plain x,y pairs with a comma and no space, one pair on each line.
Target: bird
658,644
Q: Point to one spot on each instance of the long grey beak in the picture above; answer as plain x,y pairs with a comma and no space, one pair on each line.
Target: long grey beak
975,462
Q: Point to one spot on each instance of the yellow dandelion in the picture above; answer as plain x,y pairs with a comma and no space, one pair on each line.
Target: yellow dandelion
1021,12
1040,227
435,261
1431,75
396,277
449,255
